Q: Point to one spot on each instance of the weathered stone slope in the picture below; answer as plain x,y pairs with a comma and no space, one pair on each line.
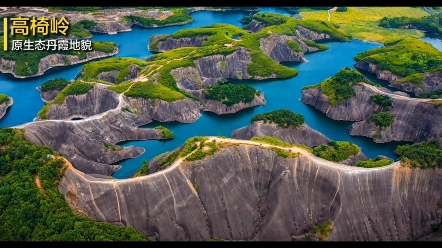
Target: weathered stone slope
98,100
171,43
111,76
303,134
275,46
249,193
47,96
5,106
415,120
84,142
431,81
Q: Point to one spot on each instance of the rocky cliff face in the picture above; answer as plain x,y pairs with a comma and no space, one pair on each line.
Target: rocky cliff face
111,76
354,109
305,33
90,144
415,119
353,159
195,80
172,43
54,60
5,106
254,26
303,134
275,46
98,100
431,81
111,27
47,96
221,109
184,111
249,193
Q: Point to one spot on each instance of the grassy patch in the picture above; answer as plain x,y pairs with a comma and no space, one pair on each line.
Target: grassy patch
336,151
362,23
205,148
405,58
284,118
165,133
423,155
294,46
272,140
375,162
92,69
340,87
382,119
150,90
4,98
54,84
180,15
231,94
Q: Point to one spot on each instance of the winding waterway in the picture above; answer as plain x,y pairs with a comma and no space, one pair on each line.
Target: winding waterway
279,94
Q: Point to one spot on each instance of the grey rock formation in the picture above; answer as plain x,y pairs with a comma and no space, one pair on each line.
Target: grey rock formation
5,106
254,26
111,27
172,43
111,76
249,193
415,120
354,109
303,134
84,142
98,100
47,96
305,33
221,109
431,81
275,46
184,110
353,159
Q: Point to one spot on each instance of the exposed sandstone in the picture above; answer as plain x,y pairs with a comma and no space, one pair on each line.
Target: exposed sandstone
305,33
98,100
275,46
5,106
111,76
221,108
84,142
303,134
415,120
248,193
254,26
171,43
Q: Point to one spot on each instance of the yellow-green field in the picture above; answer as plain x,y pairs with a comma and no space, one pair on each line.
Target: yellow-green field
362,22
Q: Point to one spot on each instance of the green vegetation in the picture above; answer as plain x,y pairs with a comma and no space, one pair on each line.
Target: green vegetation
190,145
104,46
150,90
340,87
75,88
27,61
294,46
215,239
167,161
4,98
284,118
373,163
336,151
423,155
382,100
80,29
230,94
120,88
284,153
311,43
408,57
31,206
165,133
205,148
434,94
109,147
92,69
180,16
362,23
271,140
144,169
54,84
382,119
436,103
322,231
429,24
223,65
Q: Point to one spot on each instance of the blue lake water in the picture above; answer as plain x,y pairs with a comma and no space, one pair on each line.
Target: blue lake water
279,94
